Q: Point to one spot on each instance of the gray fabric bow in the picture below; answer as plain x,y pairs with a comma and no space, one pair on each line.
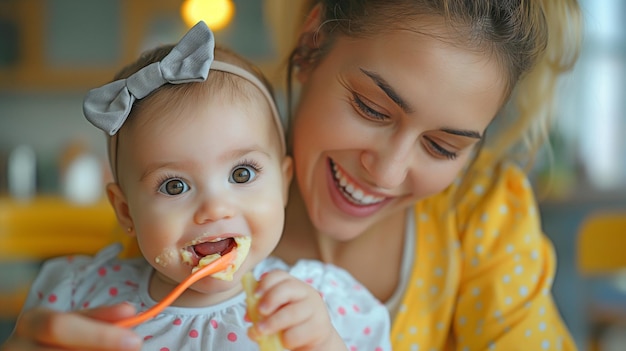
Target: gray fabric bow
108,106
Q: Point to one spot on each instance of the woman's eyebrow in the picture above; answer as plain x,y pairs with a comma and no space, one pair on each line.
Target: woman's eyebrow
387,89
465,133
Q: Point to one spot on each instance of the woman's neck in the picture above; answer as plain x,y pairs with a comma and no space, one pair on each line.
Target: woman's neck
374,257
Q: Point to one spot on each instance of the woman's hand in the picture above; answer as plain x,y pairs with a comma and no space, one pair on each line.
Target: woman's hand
296,311
88,330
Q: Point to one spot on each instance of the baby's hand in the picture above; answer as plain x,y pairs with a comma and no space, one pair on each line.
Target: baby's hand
294,310
90,330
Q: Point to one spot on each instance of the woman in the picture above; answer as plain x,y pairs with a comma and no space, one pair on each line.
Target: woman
395,179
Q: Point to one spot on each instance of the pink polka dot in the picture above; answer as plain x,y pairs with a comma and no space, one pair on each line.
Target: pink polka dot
102,271
86,304
214,323
357,287
356,308
333,283
164,349
147,337
117,268
353,348
52,298
193,333
308,280
232,337
367,331
113,291
342,311
177,321
133,284
378,349
70,259
40,295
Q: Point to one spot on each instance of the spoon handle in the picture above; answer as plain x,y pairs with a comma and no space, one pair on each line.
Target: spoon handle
218,265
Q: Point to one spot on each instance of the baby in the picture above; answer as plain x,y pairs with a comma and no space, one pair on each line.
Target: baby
197,152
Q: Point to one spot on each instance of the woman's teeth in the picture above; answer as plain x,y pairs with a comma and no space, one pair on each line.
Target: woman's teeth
351,191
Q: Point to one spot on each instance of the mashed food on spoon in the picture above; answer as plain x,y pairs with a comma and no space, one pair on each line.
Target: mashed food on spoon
242,247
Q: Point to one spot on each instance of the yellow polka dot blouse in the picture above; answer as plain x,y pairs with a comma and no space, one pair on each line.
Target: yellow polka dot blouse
483,272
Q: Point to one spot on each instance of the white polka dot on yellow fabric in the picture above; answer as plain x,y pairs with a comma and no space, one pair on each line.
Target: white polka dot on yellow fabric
523,291
479,189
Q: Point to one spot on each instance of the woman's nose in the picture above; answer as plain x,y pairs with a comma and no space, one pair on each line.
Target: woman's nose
212,209
388,162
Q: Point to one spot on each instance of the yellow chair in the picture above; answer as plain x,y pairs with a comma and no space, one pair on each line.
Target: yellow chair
45,227
601,253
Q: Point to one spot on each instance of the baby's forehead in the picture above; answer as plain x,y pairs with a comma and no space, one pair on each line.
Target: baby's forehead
228,109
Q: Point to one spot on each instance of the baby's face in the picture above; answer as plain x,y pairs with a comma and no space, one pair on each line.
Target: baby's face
200,179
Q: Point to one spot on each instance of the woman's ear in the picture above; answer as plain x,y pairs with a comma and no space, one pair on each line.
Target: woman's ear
308,43
120,206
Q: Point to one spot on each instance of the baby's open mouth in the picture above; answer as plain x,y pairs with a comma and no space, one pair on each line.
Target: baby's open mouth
200,254
221,247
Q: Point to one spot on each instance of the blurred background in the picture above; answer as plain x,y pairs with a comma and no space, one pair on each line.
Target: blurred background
52,161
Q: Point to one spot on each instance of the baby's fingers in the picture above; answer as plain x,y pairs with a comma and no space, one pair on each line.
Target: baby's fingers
278,289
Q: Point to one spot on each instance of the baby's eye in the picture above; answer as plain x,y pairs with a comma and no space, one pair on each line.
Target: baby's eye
242,174
173,186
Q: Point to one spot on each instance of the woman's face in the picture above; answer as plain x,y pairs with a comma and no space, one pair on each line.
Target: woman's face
387,120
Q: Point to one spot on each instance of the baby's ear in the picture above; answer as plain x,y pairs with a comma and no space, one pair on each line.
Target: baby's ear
120,206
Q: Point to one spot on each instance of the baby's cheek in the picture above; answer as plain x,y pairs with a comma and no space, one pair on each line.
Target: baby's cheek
166,257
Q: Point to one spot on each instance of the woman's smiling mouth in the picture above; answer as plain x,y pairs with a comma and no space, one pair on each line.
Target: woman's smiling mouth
351,191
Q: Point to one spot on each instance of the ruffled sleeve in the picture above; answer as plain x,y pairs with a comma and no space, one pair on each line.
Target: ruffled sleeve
62,282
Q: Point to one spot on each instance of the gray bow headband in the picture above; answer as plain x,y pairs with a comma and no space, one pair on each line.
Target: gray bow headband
108,106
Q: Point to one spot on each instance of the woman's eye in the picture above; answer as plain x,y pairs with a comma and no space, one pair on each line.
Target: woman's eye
439,151
366,109
242,174
173,187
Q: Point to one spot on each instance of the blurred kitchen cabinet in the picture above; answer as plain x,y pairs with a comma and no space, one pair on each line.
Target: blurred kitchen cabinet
71,45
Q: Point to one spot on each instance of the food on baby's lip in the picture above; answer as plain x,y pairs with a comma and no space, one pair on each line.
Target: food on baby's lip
211,251
266,342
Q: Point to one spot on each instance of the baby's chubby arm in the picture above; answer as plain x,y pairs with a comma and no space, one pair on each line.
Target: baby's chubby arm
294,310
90,330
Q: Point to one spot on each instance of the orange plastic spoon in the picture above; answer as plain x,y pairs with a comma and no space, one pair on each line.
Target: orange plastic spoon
218,265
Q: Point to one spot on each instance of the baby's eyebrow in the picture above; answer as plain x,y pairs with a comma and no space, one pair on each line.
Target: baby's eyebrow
387,89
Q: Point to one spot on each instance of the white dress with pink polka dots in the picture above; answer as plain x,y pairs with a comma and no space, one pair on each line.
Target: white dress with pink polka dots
79,282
